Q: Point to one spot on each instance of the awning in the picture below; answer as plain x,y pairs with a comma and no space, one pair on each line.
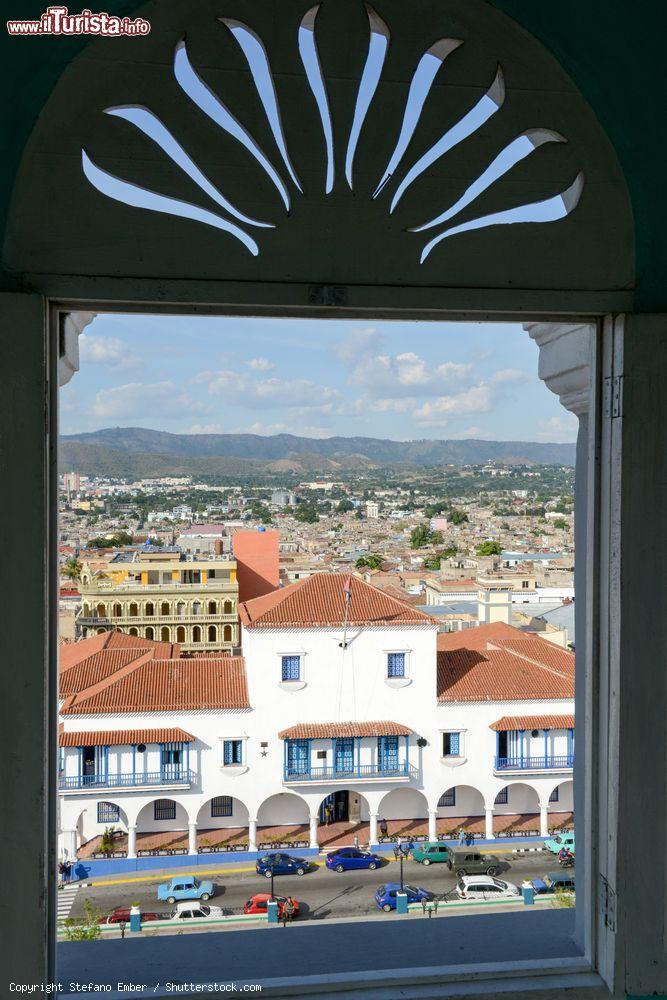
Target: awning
509,723
124,737
333,730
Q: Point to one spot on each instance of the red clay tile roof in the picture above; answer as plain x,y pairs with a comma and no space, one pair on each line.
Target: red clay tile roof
124,737
95,668
319,601
330,730
499,663
75,652
513,722
166,686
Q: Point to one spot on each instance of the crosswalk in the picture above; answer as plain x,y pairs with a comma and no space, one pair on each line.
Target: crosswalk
65,899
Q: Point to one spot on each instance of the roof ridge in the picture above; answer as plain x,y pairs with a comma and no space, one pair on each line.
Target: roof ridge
105,682
535,663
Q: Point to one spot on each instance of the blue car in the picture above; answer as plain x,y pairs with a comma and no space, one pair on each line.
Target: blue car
185,887
348,858
281,864
385,897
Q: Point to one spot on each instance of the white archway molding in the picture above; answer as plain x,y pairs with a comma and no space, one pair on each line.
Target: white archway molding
71,327
565,361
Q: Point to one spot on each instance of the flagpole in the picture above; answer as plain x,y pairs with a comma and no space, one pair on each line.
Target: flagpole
347,589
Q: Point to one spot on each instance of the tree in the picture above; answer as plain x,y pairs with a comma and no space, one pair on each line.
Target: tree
306,513
489,549
86,928
371,562
457,516
561,523
419,536
72,569
344,506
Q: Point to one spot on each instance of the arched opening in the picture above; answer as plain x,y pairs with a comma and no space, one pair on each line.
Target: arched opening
561,807
196,633
222,824
460,806
162,824
134,610
212,607
117,611
212,633
343,814
283,817
101,610
165,608
405,811
165,634
227,633
150,609
180,609
229,608
86,611
150,632
133,631
196,607
180,634
516,809
90,826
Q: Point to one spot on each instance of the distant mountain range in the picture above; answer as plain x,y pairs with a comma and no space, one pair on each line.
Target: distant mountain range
138,451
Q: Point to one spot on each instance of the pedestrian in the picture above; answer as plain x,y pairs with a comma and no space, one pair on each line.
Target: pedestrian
384,829
470,838
289,909
61,872
327,814
356,841
67,871
462,837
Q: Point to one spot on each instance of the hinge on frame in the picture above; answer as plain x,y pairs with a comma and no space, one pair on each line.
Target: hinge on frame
608,903
613,396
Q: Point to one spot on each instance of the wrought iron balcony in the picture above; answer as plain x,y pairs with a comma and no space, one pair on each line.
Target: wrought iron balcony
93,782
403,770
561,763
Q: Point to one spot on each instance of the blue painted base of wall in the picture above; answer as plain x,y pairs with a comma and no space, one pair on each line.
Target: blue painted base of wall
88,869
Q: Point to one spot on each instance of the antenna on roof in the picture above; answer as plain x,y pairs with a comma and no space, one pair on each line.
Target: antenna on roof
347,590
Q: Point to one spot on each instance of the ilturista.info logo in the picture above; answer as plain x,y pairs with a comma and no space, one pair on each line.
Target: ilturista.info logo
59,21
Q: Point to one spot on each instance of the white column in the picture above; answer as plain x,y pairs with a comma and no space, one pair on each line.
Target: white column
432,829
68,839
544,820
488,824
314,820
252,835
131,841
192,838
373,832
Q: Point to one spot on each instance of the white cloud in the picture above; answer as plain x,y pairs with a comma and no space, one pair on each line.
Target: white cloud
384,376
109,351
260,364
267,394
359,344
560,429
509,376
478,399
136,399
299,430
205,429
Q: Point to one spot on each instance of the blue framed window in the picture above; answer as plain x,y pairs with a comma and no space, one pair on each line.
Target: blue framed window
388,753
232,752
451,744
291,667
448,798
344,754
501,797
221,805
554,796
395,664
108,812
164,809
298,757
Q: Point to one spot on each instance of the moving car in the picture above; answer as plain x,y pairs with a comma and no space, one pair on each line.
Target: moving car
561,840
385,897
197,911
121,915
258,904
473,862
428,854
185,887
347,858
554,882
281,864
483,887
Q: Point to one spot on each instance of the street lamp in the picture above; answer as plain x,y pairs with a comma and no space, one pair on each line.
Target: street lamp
401,851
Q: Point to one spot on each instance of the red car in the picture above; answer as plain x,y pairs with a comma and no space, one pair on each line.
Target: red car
258,904
121,914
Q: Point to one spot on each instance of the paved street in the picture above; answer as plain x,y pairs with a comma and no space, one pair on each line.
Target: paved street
322,893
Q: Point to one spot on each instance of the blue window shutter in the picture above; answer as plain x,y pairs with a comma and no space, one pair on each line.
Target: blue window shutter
454,744
228,751
396,665
291,668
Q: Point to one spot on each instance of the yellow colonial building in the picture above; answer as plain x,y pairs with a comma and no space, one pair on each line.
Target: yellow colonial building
164,595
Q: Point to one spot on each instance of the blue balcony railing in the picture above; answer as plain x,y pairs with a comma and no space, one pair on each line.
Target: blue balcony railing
165,777
534,763
402,769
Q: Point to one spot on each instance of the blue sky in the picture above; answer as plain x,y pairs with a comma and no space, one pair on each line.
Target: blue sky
313,378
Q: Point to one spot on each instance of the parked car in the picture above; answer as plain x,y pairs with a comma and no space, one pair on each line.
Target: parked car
561,840
259,903
121,915
554,882
185,887
428,854
281,864
385,897
197,911
484,887
348,858
473,862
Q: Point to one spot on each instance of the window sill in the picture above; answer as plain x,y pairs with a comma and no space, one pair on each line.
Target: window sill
452,761
291,685
233,770
397,682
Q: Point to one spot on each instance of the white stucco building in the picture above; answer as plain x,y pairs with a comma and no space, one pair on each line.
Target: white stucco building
344,696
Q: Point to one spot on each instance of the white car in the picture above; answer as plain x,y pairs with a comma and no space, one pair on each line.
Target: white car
193,910
484,887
